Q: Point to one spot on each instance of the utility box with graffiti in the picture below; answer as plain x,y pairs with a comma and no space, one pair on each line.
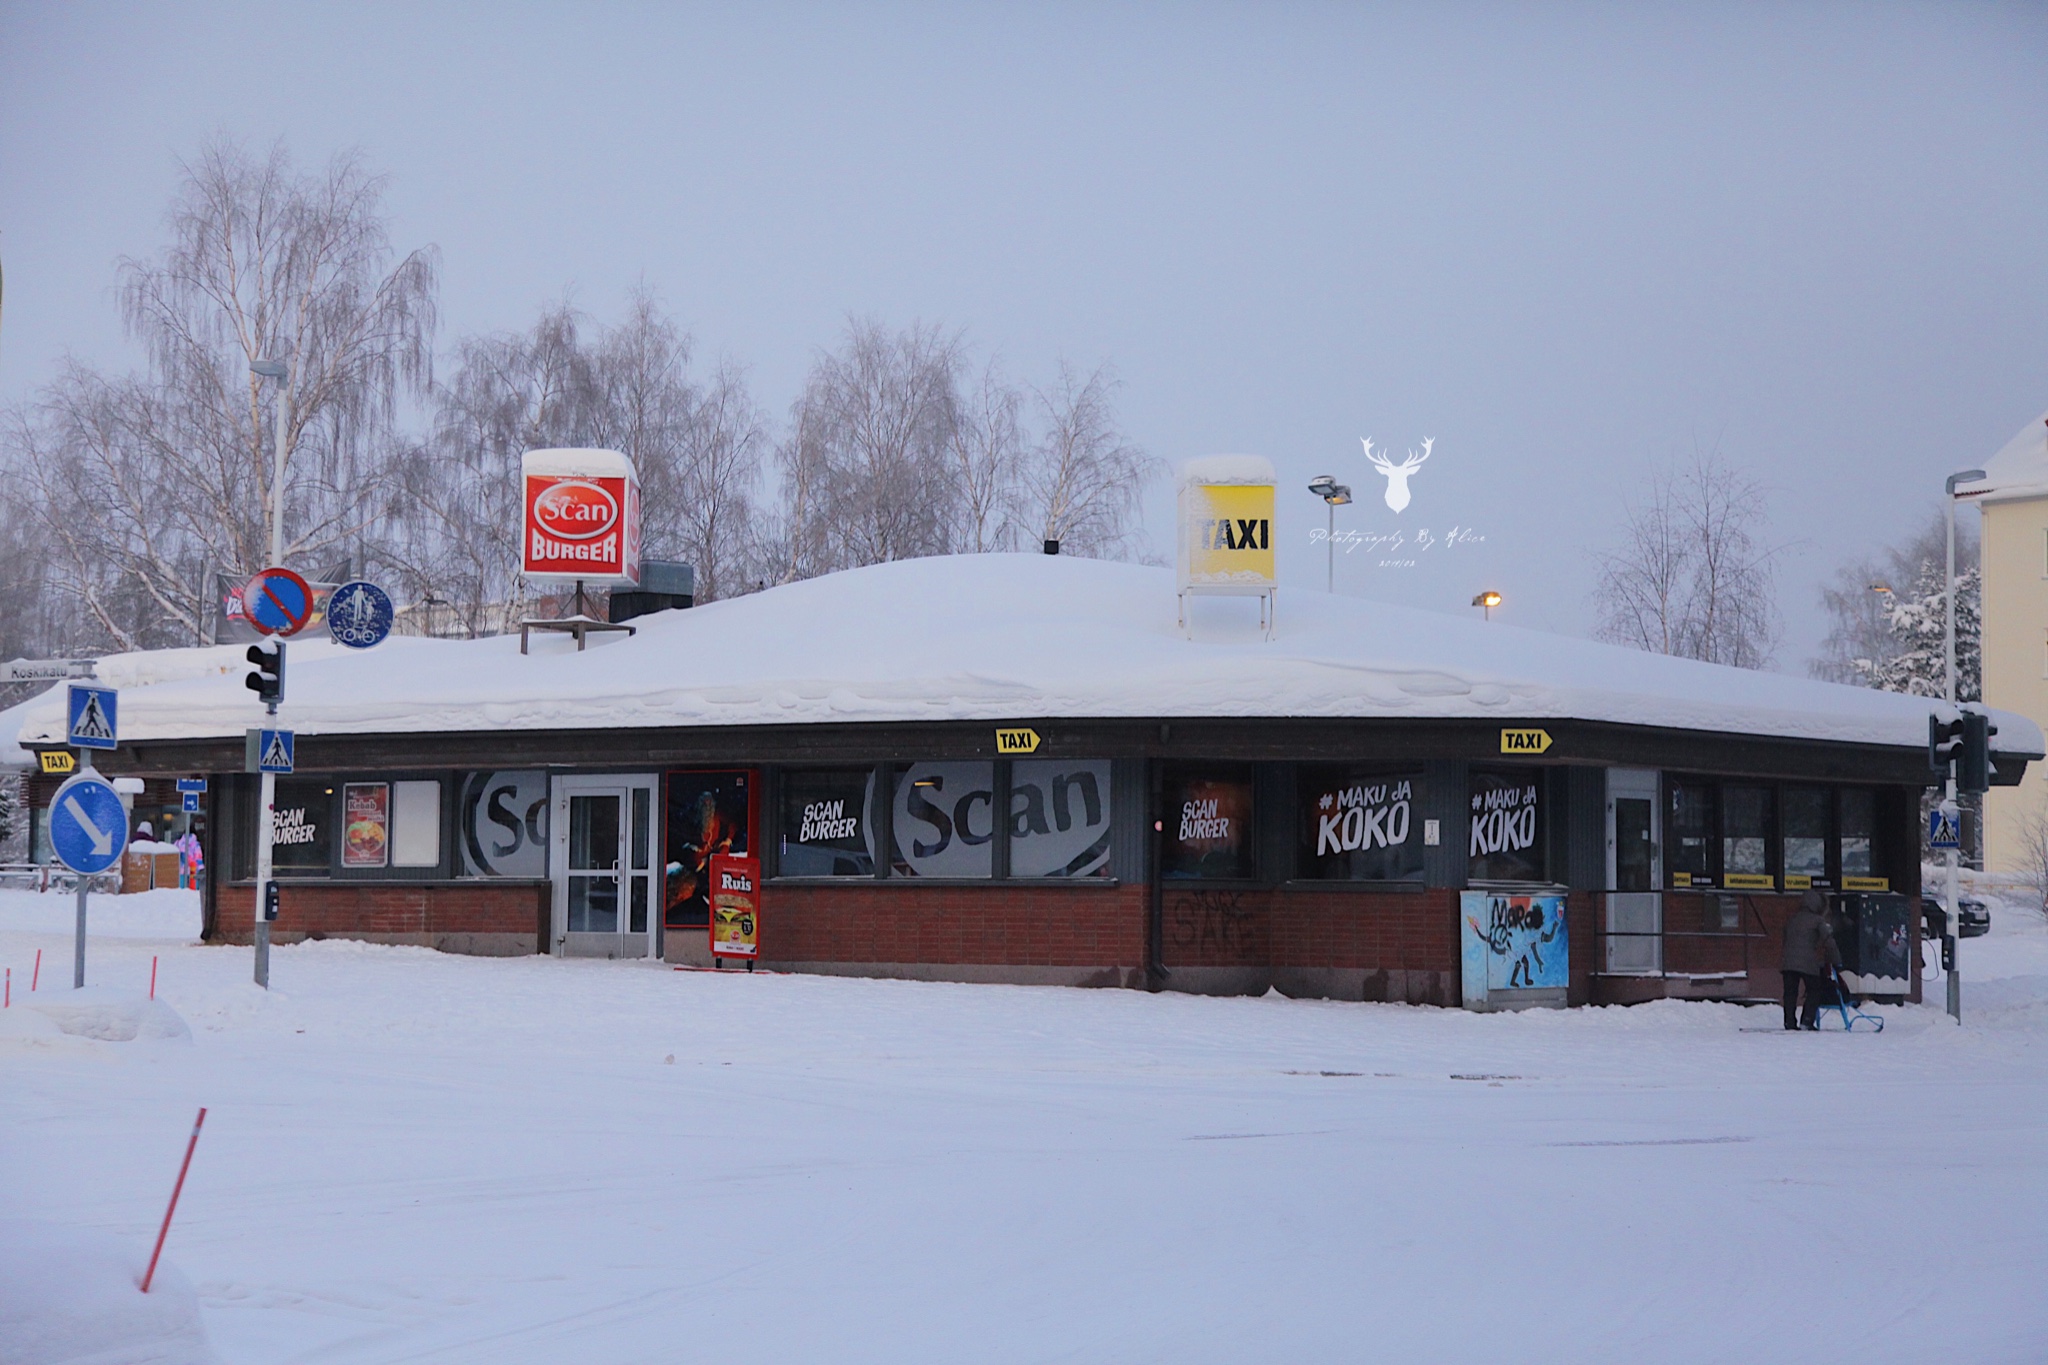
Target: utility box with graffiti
1515,949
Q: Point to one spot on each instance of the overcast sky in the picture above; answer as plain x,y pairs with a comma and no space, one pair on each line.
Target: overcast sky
1566,244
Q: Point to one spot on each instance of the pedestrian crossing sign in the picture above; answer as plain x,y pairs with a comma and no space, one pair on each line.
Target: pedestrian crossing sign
1944,828
93,713
269,751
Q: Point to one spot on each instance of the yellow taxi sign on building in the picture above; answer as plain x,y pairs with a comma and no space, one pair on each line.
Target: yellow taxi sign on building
1017,741
57,760
1524,741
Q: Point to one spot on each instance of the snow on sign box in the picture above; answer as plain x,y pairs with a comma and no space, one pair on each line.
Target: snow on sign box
582,517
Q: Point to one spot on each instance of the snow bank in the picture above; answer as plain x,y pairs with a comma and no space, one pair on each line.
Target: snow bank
71,1296
996,637
112,1016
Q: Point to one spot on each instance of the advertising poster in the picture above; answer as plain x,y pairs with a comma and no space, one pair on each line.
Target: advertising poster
1515,949
1208,826
1507,826
582,516
1059,817
1360,826
735,906
709,813
826,831
365,824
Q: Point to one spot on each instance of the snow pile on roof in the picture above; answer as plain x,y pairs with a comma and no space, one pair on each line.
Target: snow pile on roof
2018,470
1215,469
1016,637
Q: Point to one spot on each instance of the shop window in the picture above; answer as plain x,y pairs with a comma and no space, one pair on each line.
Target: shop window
944,820
709,813
301,833
1804,822
826,824
502,825
1359,824
1745,838
1689,834
1862,869
1507,826
1059,817
1208,823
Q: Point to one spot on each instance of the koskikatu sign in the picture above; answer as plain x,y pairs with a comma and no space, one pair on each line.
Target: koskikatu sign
582,517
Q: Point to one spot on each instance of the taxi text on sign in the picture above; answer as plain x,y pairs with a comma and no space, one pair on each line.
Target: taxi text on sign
54,761
1228,528
582,517
1524,741
1017,741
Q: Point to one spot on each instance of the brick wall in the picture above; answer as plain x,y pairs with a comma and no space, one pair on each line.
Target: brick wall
993,925
496,918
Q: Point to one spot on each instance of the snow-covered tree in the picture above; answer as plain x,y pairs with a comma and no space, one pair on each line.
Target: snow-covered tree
1917,623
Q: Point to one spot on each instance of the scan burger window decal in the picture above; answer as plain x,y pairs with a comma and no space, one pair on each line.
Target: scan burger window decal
582,517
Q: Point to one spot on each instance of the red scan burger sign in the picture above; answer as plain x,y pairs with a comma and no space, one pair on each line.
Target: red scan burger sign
582,516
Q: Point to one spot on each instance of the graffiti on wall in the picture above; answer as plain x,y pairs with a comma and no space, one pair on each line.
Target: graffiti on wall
1215,921
1512,943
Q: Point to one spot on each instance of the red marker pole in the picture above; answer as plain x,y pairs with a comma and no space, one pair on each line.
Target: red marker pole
37,975
10,990
176,1189
152,976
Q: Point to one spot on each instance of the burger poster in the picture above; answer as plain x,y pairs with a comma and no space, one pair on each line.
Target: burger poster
365,824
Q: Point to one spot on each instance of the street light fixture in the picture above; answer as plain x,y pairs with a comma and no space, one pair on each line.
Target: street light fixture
1334,495
1488,600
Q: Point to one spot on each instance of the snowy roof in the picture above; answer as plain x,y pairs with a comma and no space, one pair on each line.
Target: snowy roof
2018,470
996,637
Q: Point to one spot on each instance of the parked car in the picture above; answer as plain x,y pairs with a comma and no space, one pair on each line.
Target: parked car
1975,921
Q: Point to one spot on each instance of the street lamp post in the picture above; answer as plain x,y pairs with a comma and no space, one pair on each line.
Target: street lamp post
1948,654
1334,495
267,797
1487,600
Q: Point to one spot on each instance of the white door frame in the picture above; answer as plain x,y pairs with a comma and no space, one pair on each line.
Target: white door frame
638,864
1632,915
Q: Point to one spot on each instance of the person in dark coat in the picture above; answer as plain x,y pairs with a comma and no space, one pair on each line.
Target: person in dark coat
1809,951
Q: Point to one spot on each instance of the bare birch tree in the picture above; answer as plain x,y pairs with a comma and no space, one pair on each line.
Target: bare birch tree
1693,576
987,450
150,481
1083,483
867,465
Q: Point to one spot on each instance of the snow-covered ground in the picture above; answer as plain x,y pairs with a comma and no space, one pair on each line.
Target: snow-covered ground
414,1157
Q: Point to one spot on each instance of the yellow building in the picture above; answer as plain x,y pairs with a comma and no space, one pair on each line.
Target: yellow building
2014,500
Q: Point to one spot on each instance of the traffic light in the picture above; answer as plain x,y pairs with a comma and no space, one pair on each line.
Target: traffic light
1944,738
267,681
1973,773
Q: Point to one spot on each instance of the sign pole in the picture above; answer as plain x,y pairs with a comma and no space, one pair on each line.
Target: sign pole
78,938
265,834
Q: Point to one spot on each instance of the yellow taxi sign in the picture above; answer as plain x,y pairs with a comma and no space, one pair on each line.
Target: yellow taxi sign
1017,741
1524,741
57,760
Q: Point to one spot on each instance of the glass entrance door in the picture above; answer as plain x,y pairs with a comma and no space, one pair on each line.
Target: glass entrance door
1635,904
605,866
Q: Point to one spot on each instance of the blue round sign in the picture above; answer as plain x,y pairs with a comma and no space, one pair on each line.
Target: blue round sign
359,615
278,602
88,827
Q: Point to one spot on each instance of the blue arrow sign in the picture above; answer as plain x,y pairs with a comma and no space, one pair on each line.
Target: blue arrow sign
87,824
275,750
359,615
190,800
94,717
1944,828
